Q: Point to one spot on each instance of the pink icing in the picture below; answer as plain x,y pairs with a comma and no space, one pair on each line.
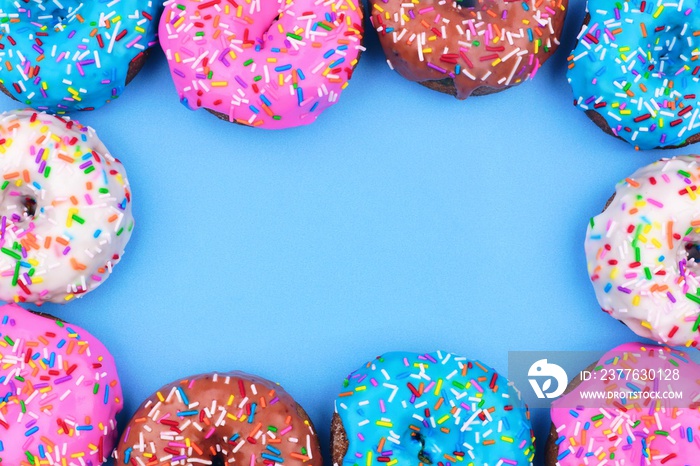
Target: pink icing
632,432
59,392
268,63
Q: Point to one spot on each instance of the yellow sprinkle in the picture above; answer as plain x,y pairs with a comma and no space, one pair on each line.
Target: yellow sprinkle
384,424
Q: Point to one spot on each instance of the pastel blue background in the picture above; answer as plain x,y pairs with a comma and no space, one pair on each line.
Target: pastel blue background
402,219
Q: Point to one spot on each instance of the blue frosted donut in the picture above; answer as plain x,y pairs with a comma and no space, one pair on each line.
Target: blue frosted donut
406,409
65,55
636,66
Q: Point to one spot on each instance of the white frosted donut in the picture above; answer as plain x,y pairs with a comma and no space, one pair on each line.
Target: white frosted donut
642,252
65,208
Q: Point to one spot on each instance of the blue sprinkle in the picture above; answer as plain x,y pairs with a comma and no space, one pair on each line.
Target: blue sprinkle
265,100
61,344
283,68
329,53
185,400
97,233
31,431
252,412
274,450
336,63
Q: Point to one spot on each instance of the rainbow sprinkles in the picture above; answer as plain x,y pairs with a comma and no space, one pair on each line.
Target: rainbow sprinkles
636,65
265,63
72,55
432,408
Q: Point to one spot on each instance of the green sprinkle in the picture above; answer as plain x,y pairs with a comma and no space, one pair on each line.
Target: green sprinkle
294,36
20,378
248,62
96,389
661,432
89,169
9,340
103,191
684,173
47,171
80,220
597,417
695,299
15,277
11,253
458,385
647,272
4,185
697,321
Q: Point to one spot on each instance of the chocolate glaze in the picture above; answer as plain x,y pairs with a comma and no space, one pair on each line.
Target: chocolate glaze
507,17
219,440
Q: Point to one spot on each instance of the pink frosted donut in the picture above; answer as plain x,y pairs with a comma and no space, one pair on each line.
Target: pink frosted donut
268,63
59,393
637,406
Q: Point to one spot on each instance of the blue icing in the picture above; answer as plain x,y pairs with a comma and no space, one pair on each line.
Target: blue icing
646,88
407,408
73,57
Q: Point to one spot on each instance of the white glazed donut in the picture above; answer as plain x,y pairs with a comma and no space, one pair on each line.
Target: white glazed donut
65,208
642,252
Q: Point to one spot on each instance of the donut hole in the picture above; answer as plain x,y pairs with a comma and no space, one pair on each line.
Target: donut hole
18,206
668,49
423,456
692,251
29,206
467,3
218,460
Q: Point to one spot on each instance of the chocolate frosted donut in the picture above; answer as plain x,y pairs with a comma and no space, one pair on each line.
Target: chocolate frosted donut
219,419
468,49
